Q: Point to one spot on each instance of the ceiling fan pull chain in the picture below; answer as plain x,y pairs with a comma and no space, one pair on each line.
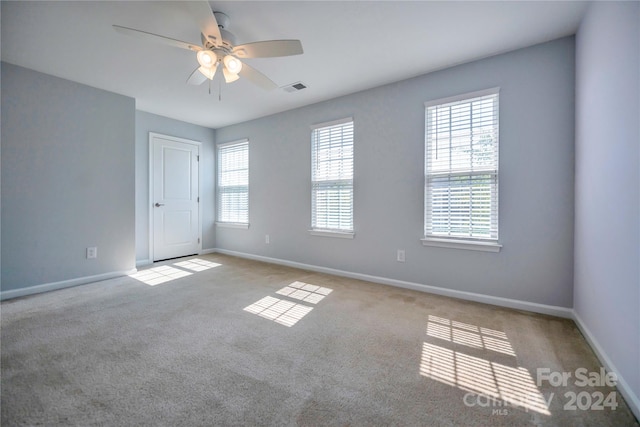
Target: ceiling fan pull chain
219,89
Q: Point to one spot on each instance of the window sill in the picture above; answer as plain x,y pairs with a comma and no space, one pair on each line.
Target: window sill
338,234
470,245
243,225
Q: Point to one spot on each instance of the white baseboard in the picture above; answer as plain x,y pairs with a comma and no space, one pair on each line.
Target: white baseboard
143,262
469,296
631,398
207,251
46,287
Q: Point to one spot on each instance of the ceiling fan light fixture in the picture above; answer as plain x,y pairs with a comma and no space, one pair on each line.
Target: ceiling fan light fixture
219,48
229,77
208,72
207,58
232,64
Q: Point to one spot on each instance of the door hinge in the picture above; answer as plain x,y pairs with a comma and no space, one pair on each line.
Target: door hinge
198,199
198,157
198,240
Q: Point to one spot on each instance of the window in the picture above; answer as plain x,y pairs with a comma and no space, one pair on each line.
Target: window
332,178
461,169
233,183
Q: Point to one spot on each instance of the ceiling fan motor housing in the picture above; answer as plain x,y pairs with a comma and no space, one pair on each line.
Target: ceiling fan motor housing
223,20
228,42
228,39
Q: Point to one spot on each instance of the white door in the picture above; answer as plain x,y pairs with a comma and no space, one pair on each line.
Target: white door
174,197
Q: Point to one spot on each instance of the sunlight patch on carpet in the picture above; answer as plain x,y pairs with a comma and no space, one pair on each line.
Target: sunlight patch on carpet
166,273
286,313
157,275
511,384
305,292
469,335
197,264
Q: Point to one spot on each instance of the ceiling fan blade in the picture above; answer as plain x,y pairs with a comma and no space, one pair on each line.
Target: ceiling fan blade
156,38
268,49
201,11
257,77
196,78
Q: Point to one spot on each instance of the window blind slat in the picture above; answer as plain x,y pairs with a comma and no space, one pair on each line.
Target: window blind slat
461,168
233,182
332,177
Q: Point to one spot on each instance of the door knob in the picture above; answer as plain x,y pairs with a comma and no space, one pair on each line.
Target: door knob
157,205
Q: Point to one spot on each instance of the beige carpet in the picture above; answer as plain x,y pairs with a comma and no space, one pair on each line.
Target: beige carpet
217,340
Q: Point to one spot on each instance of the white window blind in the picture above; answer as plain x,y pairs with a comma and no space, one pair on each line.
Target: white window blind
461,167
332,176
233,182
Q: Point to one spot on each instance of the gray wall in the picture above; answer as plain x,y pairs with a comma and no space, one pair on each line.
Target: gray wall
67,179
536,181
145,123
607,224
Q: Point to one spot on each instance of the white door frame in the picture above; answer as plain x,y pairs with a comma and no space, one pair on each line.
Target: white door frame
152,136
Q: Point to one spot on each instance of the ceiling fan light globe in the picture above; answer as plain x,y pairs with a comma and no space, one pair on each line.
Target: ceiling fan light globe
207,58
229,77
232,64
208,72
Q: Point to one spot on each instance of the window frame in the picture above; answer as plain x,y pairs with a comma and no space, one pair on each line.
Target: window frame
219,192
322,231
490,244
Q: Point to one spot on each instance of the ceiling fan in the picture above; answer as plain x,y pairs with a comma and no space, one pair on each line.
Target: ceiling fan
218,49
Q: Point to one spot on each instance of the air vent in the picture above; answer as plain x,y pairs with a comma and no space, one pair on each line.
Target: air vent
294,87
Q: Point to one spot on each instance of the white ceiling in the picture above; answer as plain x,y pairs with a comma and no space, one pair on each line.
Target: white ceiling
349,46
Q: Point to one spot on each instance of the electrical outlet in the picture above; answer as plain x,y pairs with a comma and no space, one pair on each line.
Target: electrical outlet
400,256
266,239
92,252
